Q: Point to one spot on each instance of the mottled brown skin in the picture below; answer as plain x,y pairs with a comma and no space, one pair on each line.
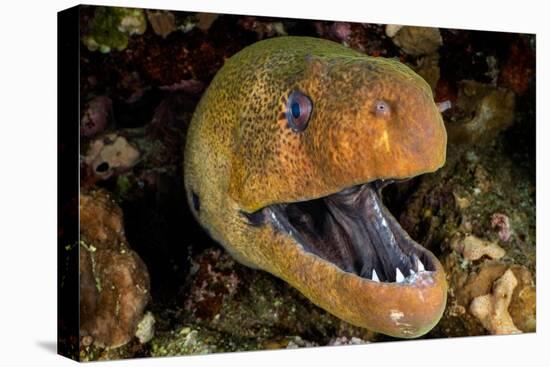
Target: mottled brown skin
241,156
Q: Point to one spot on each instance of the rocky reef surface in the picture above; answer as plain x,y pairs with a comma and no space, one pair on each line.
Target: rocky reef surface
142,74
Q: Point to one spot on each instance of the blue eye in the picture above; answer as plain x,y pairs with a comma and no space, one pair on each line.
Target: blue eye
295,108
299,108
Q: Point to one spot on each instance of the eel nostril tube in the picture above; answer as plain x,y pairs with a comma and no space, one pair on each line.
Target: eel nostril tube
444,106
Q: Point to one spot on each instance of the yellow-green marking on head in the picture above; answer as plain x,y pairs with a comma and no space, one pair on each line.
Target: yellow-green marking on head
285,159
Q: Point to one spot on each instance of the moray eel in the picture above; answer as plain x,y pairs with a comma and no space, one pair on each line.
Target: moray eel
285,159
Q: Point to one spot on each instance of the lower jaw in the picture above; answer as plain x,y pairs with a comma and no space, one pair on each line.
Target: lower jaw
394,309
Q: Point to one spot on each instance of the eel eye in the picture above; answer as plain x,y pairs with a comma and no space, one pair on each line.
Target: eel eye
298,111
382,108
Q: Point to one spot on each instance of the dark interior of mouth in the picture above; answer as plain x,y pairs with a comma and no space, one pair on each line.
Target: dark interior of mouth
353,230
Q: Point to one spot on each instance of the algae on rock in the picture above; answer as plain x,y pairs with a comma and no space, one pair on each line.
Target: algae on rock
111,27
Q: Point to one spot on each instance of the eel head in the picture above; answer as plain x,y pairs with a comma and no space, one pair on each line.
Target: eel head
316,131
369,122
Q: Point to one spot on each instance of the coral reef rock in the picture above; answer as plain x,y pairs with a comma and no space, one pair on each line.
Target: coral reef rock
111,153
341,31
492,309
501,223
518,71
484,112
458,213
263,29
96,116
205,20
415,41
114,282
392,29
162,22
228,298
298,342
428,68
111,27
146,328
342,340
515,311
474,248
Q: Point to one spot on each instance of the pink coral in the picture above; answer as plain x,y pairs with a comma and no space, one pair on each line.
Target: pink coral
501,223
214,280
96,116
341,31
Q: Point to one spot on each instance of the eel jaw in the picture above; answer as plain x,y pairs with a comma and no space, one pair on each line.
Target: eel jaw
353,230
353,235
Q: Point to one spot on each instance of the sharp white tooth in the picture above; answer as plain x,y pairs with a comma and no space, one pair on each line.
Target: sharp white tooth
375,276
412,272
420,266
398,276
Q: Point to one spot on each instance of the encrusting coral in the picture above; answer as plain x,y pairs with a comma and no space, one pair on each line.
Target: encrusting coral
111,27
474,248
96,116
111,153
492,309
114,282
415,41
486,111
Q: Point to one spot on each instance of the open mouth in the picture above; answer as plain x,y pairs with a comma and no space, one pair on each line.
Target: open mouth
353,230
